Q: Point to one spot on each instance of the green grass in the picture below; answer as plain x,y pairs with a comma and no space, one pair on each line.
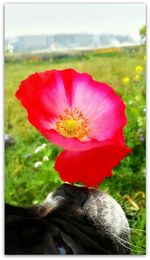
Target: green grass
26,185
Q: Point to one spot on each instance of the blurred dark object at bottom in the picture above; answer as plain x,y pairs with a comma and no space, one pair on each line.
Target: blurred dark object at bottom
71,220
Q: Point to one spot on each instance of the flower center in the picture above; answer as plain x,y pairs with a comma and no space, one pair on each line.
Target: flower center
73,124
70,124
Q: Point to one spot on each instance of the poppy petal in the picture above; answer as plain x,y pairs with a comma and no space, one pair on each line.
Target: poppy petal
103,108
44,92
46,95
90,167
73,144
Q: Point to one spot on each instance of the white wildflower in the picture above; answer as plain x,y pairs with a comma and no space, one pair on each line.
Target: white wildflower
43,146
45,158
40,148
27,155
130,102
37,164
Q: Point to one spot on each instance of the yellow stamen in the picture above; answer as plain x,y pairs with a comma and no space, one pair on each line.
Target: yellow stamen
72,124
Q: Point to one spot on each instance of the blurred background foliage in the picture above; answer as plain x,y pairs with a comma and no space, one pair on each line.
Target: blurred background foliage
29,162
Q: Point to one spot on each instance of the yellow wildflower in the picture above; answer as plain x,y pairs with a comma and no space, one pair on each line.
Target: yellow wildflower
137,98
138,69
126,80
137,77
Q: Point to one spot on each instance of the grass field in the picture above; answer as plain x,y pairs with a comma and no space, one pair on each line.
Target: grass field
27,184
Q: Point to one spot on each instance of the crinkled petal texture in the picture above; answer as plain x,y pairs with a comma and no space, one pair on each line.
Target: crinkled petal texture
90,167
46,95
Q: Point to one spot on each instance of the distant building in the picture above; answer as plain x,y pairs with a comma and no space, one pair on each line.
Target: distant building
106,40
34,42
50,41
83,40
64,40
31,43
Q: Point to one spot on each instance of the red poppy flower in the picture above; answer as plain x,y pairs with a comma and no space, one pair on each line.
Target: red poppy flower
83,116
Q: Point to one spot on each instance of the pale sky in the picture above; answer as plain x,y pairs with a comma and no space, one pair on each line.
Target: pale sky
53,18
